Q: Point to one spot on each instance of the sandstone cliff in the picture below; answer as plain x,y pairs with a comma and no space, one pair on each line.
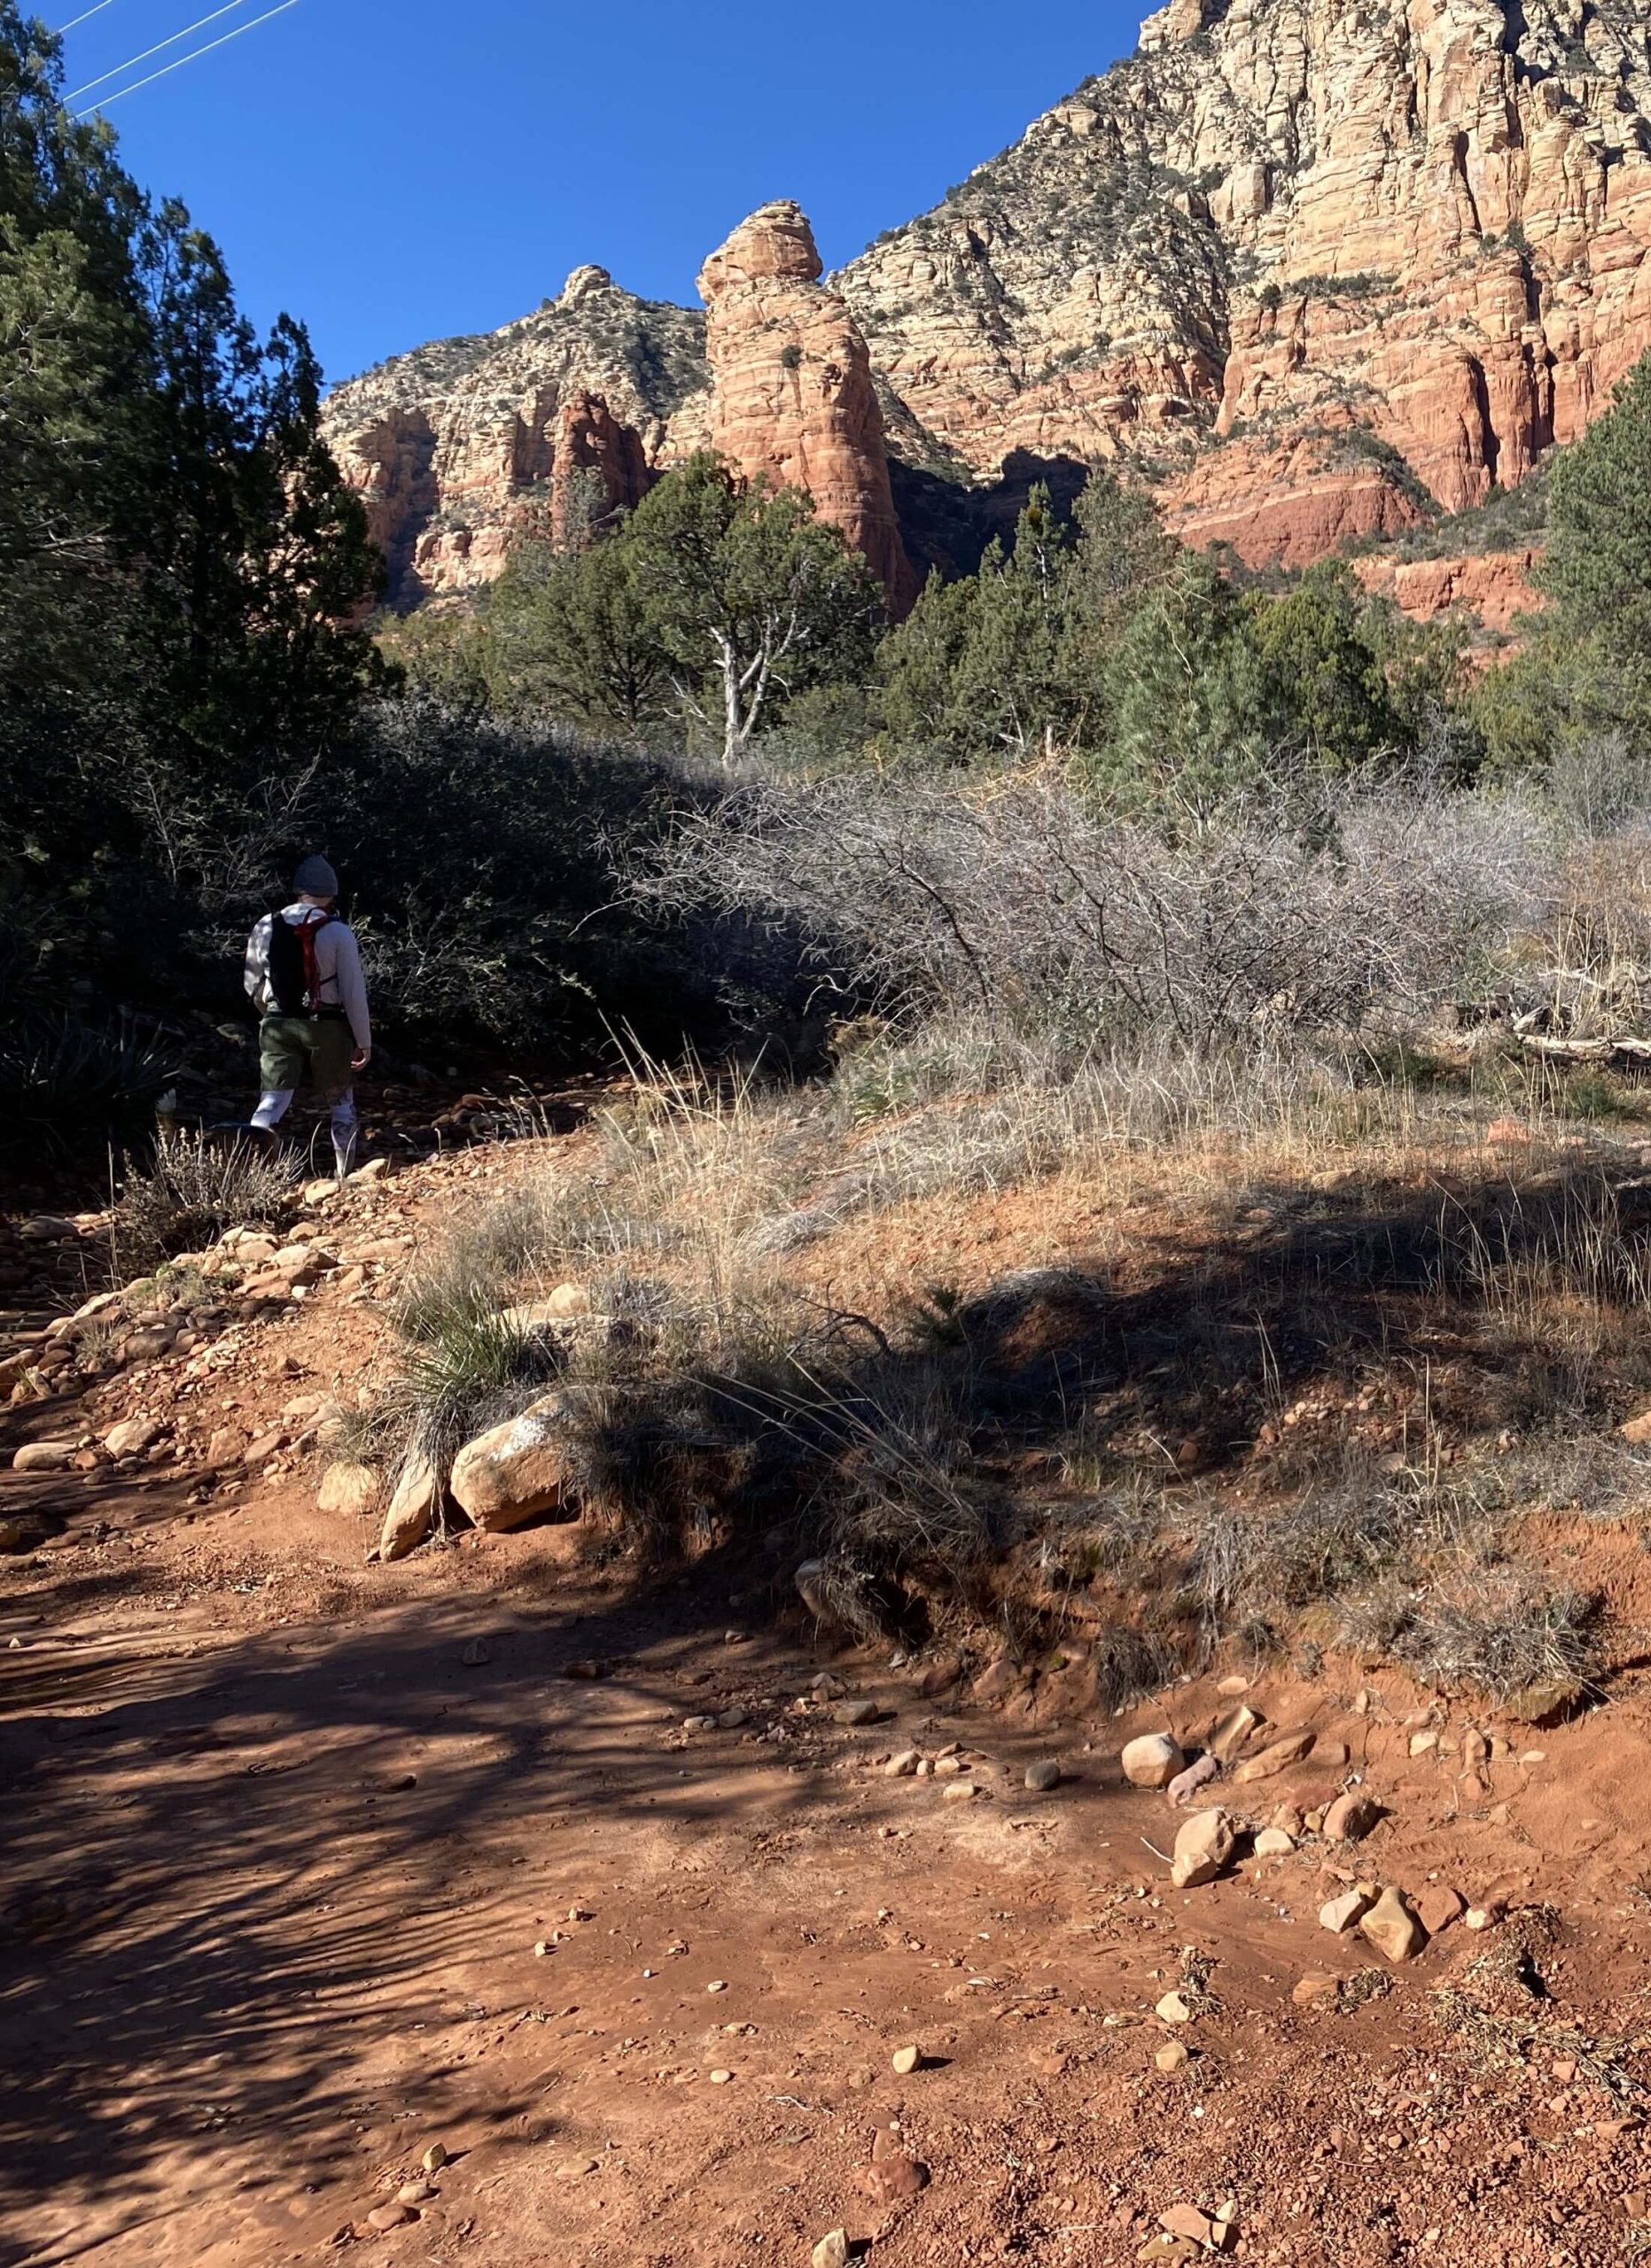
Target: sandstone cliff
791,391
1313,268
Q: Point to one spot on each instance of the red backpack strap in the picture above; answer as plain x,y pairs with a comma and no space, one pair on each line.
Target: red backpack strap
308,933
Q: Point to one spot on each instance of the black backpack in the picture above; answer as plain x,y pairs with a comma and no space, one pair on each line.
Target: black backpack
294,979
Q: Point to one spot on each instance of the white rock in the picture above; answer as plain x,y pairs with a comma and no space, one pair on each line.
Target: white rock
1273,1843
412,1510
514,1470
1151,1761
1203,1847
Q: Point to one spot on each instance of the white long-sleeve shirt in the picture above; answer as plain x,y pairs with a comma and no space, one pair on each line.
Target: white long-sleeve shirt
338,965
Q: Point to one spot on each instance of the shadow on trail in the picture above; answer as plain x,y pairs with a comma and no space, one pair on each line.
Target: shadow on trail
221,1895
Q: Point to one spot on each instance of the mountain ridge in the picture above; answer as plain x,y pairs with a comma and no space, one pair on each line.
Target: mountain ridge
1313,271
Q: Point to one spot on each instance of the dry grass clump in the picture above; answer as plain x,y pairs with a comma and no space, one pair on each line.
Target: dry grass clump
1505,1631
192,1191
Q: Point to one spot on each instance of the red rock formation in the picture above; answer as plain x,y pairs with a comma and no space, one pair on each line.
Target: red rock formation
793,396
1496,585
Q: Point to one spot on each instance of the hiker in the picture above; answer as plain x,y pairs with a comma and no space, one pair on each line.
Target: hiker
303,976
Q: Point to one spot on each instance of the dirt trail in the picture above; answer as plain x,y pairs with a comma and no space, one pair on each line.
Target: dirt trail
275,1881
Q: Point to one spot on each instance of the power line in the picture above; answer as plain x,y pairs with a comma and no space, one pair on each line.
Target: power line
122,92
82,18
104,76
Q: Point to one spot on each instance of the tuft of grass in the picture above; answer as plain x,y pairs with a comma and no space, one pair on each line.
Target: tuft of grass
1501,1631
189,1193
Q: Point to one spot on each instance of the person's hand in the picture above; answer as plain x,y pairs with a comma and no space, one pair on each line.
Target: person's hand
361,1059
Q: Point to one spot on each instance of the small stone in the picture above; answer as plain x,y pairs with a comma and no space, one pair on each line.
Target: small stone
576,2169
1185,1785
416,2192
718,1984
958,1792
1482,1917
831,2251
1231,1732
1273,1843
699,1724
1151,1761
1350,1817
435,2157
131,1437
903,1766
1340,1913
1231,1687
1392,1929
44,1457
1043,1775
720,2079
541,1948
1174,2008
390,2217
1316,1986
477,1654
857,1713
580,1914
1172,2054
949,1767
906,2061
1188,2221
1438,1907
1423,1744
1277,1756
1203,1847
729,1720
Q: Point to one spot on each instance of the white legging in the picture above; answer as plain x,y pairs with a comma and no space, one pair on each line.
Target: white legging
275,1102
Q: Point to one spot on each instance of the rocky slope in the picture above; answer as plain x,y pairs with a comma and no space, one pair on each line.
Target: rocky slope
1311,269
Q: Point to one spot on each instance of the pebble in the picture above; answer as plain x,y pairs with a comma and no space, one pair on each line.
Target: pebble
416,2192
1273,1843
580,1914
477,1652
1174,2008
1043,1775
948,1767
903,1766
435,2157
831,2251
1171,2056
390,2217
1482,1917
958,1792
720,2079
1317,1984
718,1984
729,1720
857,1713
1423,1744
907,2060
699,1724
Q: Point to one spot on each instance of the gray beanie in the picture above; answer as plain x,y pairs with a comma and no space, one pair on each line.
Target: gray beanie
316,879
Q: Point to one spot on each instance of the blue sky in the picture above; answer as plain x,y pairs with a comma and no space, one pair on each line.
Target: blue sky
393,174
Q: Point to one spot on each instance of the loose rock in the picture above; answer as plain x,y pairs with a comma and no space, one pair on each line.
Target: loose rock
1043,1775
1185,1785
1203,1847
1152,1760
412,1509
906,2061
903,1766
1278,1756
1340,1913
1172,2054
1350,1817
1273,1843
831,2251
1392,1929
857,1713
514,1470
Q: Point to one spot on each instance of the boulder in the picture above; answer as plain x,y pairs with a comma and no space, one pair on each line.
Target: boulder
1203,1845
1392,1929
514,1470
1152,1760
353,1490
412,1510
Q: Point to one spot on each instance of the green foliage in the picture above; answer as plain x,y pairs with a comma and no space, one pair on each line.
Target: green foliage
568,633
180,560
1598,563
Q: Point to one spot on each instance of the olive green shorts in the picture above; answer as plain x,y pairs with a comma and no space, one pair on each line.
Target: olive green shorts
290,1046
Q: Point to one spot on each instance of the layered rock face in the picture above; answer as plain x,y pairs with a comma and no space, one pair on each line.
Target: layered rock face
791,391
1312,269
1304,261
460,446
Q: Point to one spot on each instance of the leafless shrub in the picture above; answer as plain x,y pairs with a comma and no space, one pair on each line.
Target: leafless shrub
1021,896
1499,1630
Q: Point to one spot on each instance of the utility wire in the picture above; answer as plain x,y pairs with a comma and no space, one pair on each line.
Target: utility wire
83,16
74,93
223,41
